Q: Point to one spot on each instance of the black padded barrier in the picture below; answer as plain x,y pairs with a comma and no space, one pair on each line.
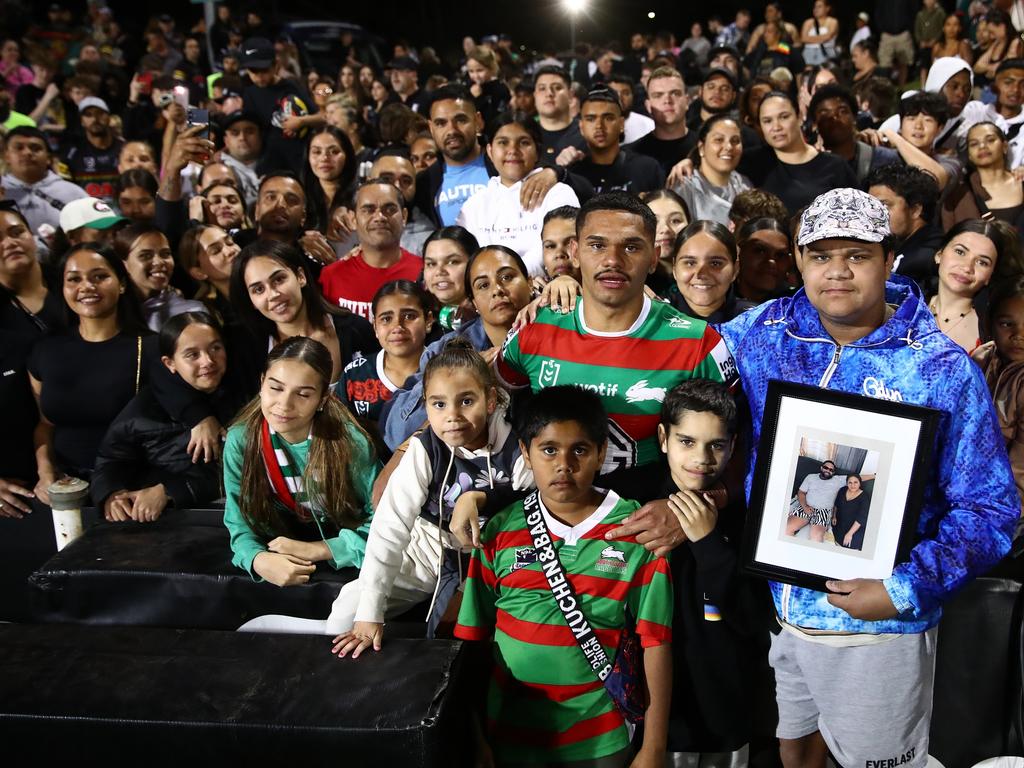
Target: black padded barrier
81,695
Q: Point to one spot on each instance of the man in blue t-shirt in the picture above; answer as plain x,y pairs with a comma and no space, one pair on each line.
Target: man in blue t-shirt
455,123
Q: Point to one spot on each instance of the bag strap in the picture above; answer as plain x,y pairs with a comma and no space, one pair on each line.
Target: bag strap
562,591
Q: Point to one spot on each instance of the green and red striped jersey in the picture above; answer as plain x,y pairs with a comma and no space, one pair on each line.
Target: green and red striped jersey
631,370
545,703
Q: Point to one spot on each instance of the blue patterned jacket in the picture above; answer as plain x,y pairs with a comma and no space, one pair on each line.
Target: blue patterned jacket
970,502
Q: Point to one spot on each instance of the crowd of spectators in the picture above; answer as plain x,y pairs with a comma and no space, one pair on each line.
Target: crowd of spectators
202,228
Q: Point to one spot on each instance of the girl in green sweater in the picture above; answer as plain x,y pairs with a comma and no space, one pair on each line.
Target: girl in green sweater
298,472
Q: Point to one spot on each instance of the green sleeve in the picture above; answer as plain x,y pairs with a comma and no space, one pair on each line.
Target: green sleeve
349,546
245,544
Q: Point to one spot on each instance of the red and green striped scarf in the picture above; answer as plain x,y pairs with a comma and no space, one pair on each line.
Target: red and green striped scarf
285,478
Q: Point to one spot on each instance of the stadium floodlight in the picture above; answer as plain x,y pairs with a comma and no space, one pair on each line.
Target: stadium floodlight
575,6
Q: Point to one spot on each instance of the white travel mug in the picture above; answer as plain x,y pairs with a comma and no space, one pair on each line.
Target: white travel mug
66,497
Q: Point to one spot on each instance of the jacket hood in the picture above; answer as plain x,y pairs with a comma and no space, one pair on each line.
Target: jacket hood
909,324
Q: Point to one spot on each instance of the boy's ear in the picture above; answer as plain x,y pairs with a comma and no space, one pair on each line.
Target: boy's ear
663,438
492,400
524,449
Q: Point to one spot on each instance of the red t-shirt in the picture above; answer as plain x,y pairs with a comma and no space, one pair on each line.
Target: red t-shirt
352,283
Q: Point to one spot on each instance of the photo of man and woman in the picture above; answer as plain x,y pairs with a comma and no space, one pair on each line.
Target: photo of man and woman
831,493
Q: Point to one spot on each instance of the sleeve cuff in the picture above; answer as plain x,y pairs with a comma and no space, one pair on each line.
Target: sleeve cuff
372,604
901,593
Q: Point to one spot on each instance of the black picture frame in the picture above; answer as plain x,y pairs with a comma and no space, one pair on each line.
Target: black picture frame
828,412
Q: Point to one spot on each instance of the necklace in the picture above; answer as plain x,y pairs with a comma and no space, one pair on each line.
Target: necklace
936,311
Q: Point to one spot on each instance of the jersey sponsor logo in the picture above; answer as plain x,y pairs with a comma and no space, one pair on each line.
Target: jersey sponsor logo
357,360
724,360
362,409
524,556
549,370
621,453
873,387
679,322
640,392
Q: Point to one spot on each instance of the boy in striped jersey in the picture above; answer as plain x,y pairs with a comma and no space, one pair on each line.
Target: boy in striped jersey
546,705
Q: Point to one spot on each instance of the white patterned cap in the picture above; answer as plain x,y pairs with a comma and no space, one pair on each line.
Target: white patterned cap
844,214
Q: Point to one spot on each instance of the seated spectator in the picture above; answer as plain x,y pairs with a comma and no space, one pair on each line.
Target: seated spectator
28,310
328,175
221,204
409,555
41,99
973,254
495,215
380,218
558,238
705,266
1000,361
498,284
292,436
922,117
1004,44
551,96
135,191
393,166
1007,111
243,149
402,317
953,43
636,125
765,258
911,196
491,94
143,466
83,378
788,166
990,189
755,204
13,74
275,299
605,164
673,216
86,220
833,113
206,253
445,256
667,102
864,56
423,153
92,159
39,193
710,190
149,261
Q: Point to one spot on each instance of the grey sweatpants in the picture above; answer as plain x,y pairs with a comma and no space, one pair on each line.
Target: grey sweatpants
871,703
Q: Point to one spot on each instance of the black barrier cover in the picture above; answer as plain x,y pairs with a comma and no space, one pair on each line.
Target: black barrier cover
172,573
79,695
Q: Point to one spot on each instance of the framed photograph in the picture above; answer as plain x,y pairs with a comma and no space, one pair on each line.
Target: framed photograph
838,485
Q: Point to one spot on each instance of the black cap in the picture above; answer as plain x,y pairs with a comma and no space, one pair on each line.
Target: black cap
238,116
257,53
165,18
404,62
1006,64
722,72
731,50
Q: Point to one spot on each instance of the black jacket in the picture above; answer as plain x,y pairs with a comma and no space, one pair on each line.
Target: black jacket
145,446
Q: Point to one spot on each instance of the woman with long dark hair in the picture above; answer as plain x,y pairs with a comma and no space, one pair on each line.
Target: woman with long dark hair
84,377
328,175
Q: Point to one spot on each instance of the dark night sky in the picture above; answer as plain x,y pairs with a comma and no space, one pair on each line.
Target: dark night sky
443,23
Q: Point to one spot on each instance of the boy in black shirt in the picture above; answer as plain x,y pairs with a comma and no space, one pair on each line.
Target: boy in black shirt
716,610
607,166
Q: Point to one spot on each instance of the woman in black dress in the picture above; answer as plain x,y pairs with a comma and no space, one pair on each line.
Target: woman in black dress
850,514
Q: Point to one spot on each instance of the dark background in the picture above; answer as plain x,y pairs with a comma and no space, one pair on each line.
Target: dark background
443,23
